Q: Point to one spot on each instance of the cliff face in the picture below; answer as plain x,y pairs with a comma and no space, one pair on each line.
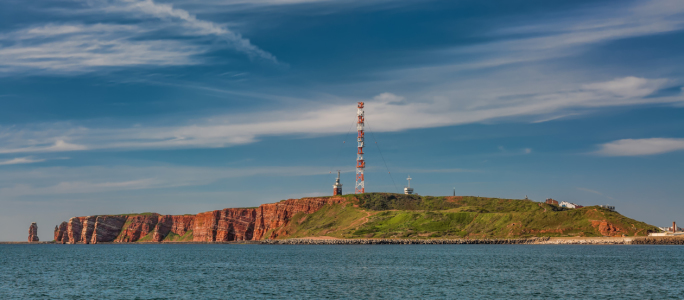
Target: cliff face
272,217
172,224
106,229
59,231
137,227
33,233
230,224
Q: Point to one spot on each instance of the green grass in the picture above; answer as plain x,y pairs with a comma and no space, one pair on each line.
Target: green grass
172,237
147,238
402,216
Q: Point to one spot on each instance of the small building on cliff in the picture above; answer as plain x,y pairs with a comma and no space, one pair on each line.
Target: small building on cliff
567,204
551,201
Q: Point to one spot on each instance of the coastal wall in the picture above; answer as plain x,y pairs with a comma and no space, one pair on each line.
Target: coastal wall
230,224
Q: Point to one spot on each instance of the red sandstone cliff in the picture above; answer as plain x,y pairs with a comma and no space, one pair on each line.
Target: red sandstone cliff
33,233
60,230
230,224
273,216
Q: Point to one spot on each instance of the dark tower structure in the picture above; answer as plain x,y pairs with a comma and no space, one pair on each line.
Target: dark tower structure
337,188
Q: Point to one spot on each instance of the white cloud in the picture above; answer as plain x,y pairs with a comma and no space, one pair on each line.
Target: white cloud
628,86
81,180
75,47
69,48
20,160
190,21
638,147
58,146
385,112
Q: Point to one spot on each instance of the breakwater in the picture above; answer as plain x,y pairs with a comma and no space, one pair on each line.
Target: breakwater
305,241
520,241
659,241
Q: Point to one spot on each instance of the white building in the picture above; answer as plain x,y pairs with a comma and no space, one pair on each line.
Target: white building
409,190
567,204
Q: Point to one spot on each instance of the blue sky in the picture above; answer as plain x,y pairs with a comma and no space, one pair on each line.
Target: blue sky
119,106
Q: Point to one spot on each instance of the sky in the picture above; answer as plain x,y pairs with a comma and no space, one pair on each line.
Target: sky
175,107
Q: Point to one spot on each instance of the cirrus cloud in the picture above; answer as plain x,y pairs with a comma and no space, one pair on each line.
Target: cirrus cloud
640,147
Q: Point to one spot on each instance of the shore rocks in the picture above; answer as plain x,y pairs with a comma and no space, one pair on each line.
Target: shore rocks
524,241
33,233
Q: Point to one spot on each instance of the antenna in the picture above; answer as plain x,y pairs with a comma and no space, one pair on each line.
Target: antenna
409,180
360,163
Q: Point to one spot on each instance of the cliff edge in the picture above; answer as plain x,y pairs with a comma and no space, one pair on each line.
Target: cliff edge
371,215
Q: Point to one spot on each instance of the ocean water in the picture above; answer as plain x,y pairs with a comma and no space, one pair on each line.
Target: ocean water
228,271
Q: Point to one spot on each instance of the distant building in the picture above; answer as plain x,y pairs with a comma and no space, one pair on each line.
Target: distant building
567,204
551,201
409,190
608,207
669,231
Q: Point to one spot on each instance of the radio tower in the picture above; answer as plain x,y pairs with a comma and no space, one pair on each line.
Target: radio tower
360,164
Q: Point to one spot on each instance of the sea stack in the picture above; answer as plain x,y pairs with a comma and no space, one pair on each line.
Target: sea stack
33,232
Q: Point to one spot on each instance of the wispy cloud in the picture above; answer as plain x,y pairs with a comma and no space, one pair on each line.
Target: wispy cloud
20,160
190,22
81,47
640,147
566,35
81,180
58,146
387,112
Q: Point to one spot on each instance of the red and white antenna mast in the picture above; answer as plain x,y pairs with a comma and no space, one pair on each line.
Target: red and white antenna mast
360,163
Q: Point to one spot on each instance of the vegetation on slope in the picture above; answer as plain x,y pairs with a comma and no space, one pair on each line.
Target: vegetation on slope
383,215
172,237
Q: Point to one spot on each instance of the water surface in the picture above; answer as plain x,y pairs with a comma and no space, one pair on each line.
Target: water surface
224,271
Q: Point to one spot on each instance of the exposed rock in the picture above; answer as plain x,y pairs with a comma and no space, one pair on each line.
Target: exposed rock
182,224
137,227
33,233
175,224
274,215
107,228
606,228
74,228
60,231
230,224
88,228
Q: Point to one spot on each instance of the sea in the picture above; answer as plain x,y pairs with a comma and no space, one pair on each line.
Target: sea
232,271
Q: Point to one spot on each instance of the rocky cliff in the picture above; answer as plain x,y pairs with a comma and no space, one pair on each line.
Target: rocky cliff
33,233
230,224
370,215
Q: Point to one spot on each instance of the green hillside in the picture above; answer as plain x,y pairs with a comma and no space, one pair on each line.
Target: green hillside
383,215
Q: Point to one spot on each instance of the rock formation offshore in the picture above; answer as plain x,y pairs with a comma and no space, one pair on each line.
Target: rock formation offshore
33,233
230,224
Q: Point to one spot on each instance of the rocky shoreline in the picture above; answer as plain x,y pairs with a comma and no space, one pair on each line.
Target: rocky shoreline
305,241
520,241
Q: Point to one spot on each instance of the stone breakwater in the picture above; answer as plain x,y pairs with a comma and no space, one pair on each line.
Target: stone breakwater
526,241
521,241
659,241
230,224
